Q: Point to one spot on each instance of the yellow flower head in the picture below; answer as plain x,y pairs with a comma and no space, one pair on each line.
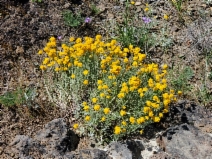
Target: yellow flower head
99,82
151,114
78,40
52,39
99,87
130,47
132,120
84,103
87,118
85,72
160,115
165,110
108,97
121,95
140,120
110,77
147,117
146,109
172,91
79,64
75,126
132,2
134,82
102,95
156,119
148,103
86,108
42,67
166,102
85,82
165,16
103,119
40,52
124,123
141,131
71,39
96,107
179,93
126,60
123,107
57,69
104,86
98,37
165,66
122,112
94,100
73,76
106,110
117,130
146,9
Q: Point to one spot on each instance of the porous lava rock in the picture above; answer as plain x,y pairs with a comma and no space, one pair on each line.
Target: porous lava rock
188,134
186,141
119,151
54,140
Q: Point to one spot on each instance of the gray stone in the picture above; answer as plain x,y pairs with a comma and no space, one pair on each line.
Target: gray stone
93,154
186,141
22,145
54,140
57,138
87,154
117,150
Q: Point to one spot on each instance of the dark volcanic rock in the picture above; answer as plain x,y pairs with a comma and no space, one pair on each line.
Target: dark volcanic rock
135,147
186,141
52,141
93,153
87,154
188,132
22,146
56,138
190,113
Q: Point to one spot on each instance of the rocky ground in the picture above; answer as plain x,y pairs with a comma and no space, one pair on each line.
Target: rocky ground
25,28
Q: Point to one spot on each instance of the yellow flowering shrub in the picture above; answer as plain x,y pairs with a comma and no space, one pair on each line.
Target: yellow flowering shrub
119,92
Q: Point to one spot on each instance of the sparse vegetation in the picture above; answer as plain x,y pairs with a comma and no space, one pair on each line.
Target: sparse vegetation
110,67
71,19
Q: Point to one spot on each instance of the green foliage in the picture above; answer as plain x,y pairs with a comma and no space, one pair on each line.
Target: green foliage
37,1
141,34
177,4
180,78
208,62
94,9
204,95
18,97
71,19
13,98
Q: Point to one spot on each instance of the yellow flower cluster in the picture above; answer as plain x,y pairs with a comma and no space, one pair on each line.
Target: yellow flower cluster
122,88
